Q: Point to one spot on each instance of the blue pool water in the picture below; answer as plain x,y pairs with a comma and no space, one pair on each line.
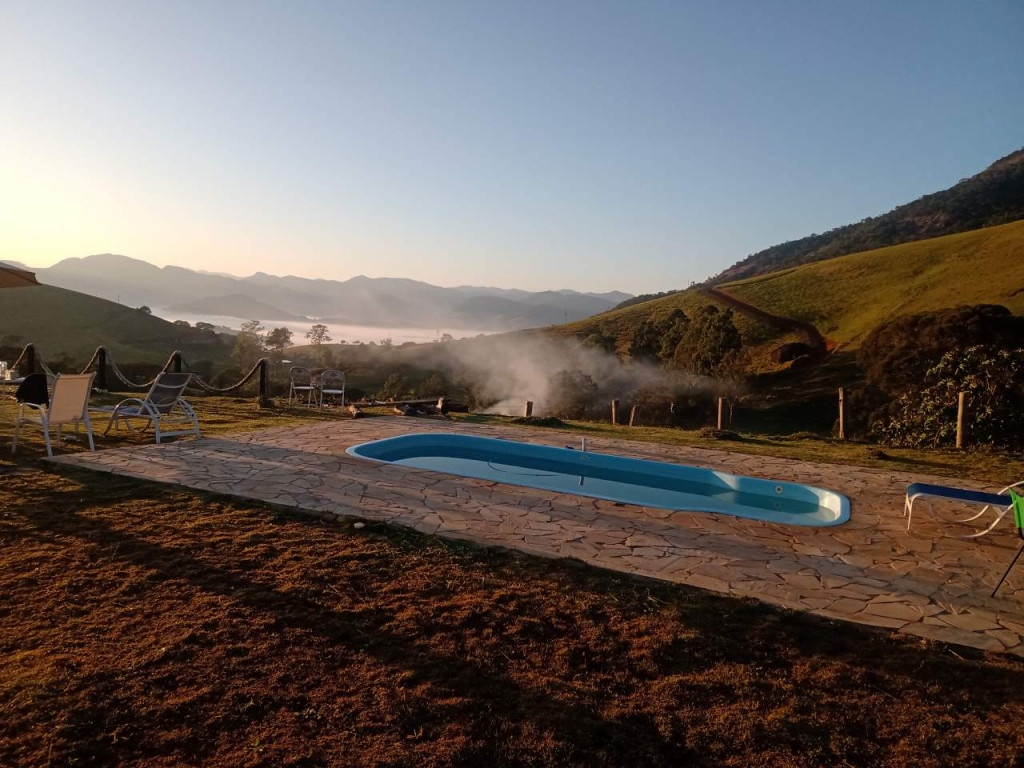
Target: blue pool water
617,478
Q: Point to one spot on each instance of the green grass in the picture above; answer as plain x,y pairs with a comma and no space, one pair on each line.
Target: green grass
226,415
978,464
71,324
848,296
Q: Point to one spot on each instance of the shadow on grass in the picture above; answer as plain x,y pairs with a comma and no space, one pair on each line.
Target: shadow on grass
584,729
717,637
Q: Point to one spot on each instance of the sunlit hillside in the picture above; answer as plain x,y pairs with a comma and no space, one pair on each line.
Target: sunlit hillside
63,323
847,296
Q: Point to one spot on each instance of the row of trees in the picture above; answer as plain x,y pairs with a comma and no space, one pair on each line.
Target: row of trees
709,344
253,341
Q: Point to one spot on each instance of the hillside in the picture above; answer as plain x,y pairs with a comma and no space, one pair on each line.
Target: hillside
994,196
847,296
233,305
65,323
361,300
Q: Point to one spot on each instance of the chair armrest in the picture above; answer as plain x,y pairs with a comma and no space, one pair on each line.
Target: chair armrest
138,400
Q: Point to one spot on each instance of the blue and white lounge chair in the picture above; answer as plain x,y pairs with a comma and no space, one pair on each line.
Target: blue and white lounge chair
1018,521
1000,503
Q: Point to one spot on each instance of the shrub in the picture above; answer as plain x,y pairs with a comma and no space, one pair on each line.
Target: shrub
227,377
573,394
394,387
601,340
896,356
435,385
993,379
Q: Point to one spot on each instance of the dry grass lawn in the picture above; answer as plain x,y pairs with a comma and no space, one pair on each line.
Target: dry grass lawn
147,626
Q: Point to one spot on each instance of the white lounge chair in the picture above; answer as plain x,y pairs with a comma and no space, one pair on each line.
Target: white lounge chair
1000,503
69,405
332,383
162,405
300,380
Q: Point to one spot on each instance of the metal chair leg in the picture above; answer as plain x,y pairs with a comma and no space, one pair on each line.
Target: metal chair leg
1008,569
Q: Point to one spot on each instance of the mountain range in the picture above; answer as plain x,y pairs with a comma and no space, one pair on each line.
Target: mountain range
385,302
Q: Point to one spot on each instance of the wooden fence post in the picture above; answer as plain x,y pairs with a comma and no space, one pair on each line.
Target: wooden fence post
842,415
263,381
632,414
961,409
721,400
528,409
615,412
101,368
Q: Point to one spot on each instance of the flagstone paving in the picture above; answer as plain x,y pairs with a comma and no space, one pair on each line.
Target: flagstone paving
869,570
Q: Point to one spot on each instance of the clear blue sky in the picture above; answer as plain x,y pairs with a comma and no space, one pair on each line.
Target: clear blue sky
629,145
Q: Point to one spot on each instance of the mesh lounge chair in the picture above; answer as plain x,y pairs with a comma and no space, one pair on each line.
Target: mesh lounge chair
162,405
301,380
332,383
1000,503
69,405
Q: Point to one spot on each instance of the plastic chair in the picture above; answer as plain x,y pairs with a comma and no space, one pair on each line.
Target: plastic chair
69,405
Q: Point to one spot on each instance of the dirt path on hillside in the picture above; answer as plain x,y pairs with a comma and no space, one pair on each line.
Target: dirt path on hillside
814,338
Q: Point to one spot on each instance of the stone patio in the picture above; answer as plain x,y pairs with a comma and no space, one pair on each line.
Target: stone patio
868,571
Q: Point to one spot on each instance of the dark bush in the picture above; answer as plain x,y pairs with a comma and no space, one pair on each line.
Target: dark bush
897,355
395,386
993,380
573,394
227,377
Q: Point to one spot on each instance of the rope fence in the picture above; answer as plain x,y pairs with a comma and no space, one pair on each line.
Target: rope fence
102,361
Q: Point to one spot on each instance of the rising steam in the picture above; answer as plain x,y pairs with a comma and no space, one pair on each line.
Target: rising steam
509,369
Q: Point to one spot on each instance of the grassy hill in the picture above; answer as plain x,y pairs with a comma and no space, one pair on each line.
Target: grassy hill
66,323
847,296
994,196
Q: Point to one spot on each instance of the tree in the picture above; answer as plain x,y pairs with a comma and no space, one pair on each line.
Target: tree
672,329
182,323
206,326
279,338
145,310
446,337
601,340
249,344
318,334
708,342
645,343
731,379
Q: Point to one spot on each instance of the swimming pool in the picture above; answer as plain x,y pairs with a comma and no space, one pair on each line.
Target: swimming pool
616,478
